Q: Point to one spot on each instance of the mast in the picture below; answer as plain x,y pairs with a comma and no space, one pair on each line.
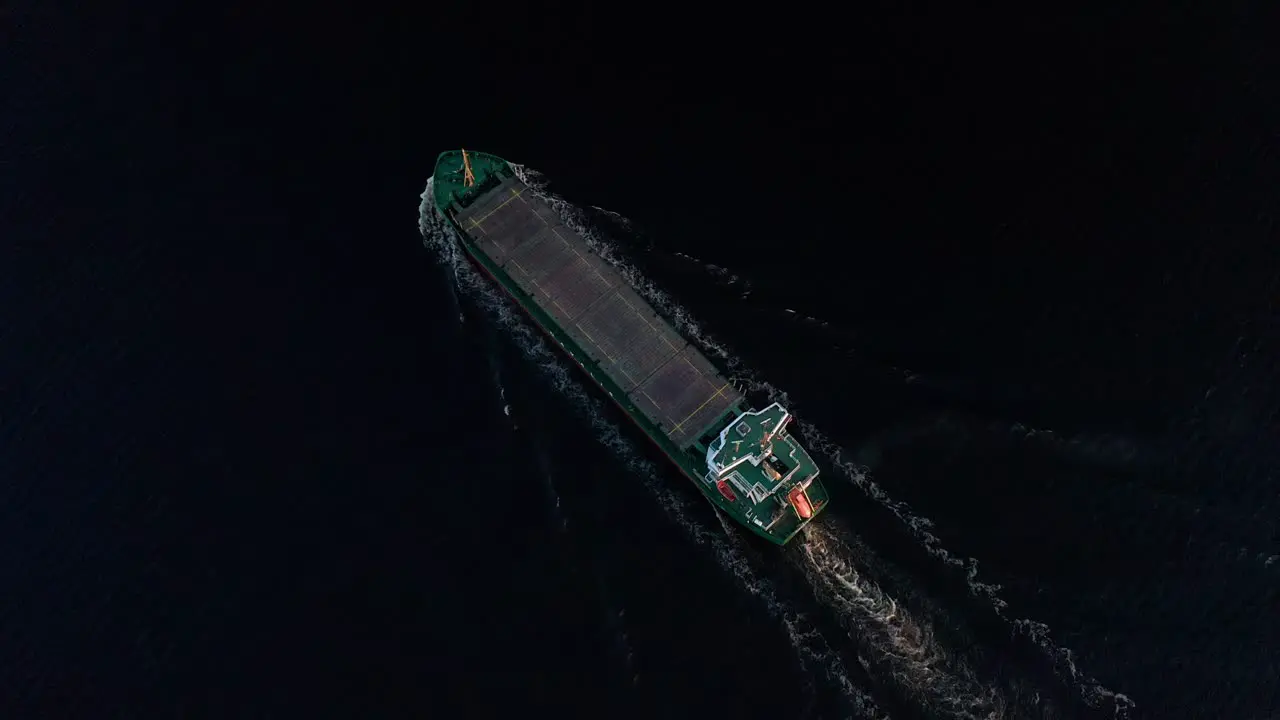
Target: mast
468,177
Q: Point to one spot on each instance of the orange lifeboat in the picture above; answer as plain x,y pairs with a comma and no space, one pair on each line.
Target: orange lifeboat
800,501
726,491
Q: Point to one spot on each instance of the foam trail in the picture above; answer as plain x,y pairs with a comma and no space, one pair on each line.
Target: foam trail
495,371
611,615
1093,692
613,618
813,652
811,649
900,646
548,480
617,623
431,225
723,275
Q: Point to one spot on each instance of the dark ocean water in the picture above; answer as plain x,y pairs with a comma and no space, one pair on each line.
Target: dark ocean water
264,452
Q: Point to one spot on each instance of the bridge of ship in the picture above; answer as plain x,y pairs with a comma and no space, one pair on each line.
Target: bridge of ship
664,376
755,454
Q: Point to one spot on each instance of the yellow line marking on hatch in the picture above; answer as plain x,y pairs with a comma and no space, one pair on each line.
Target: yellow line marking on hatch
486,216
593,342
582,257
648,322
717,394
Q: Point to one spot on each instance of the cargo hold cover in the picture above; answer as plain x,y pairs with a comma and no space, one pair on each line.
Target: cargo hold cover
663,375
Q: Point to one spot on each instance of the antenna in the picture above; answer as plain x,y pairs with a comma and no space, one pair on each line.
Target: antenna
468,177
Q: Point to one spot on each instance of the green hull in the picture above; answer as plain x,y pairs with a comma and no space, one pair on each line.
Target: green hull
743,460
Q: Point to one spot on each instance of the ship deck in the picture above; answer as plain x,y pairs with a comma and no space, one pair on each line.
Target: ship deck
668,379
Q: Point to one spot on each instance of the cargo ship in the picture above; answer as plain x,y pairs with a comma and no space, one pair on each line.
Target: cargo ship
742,458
